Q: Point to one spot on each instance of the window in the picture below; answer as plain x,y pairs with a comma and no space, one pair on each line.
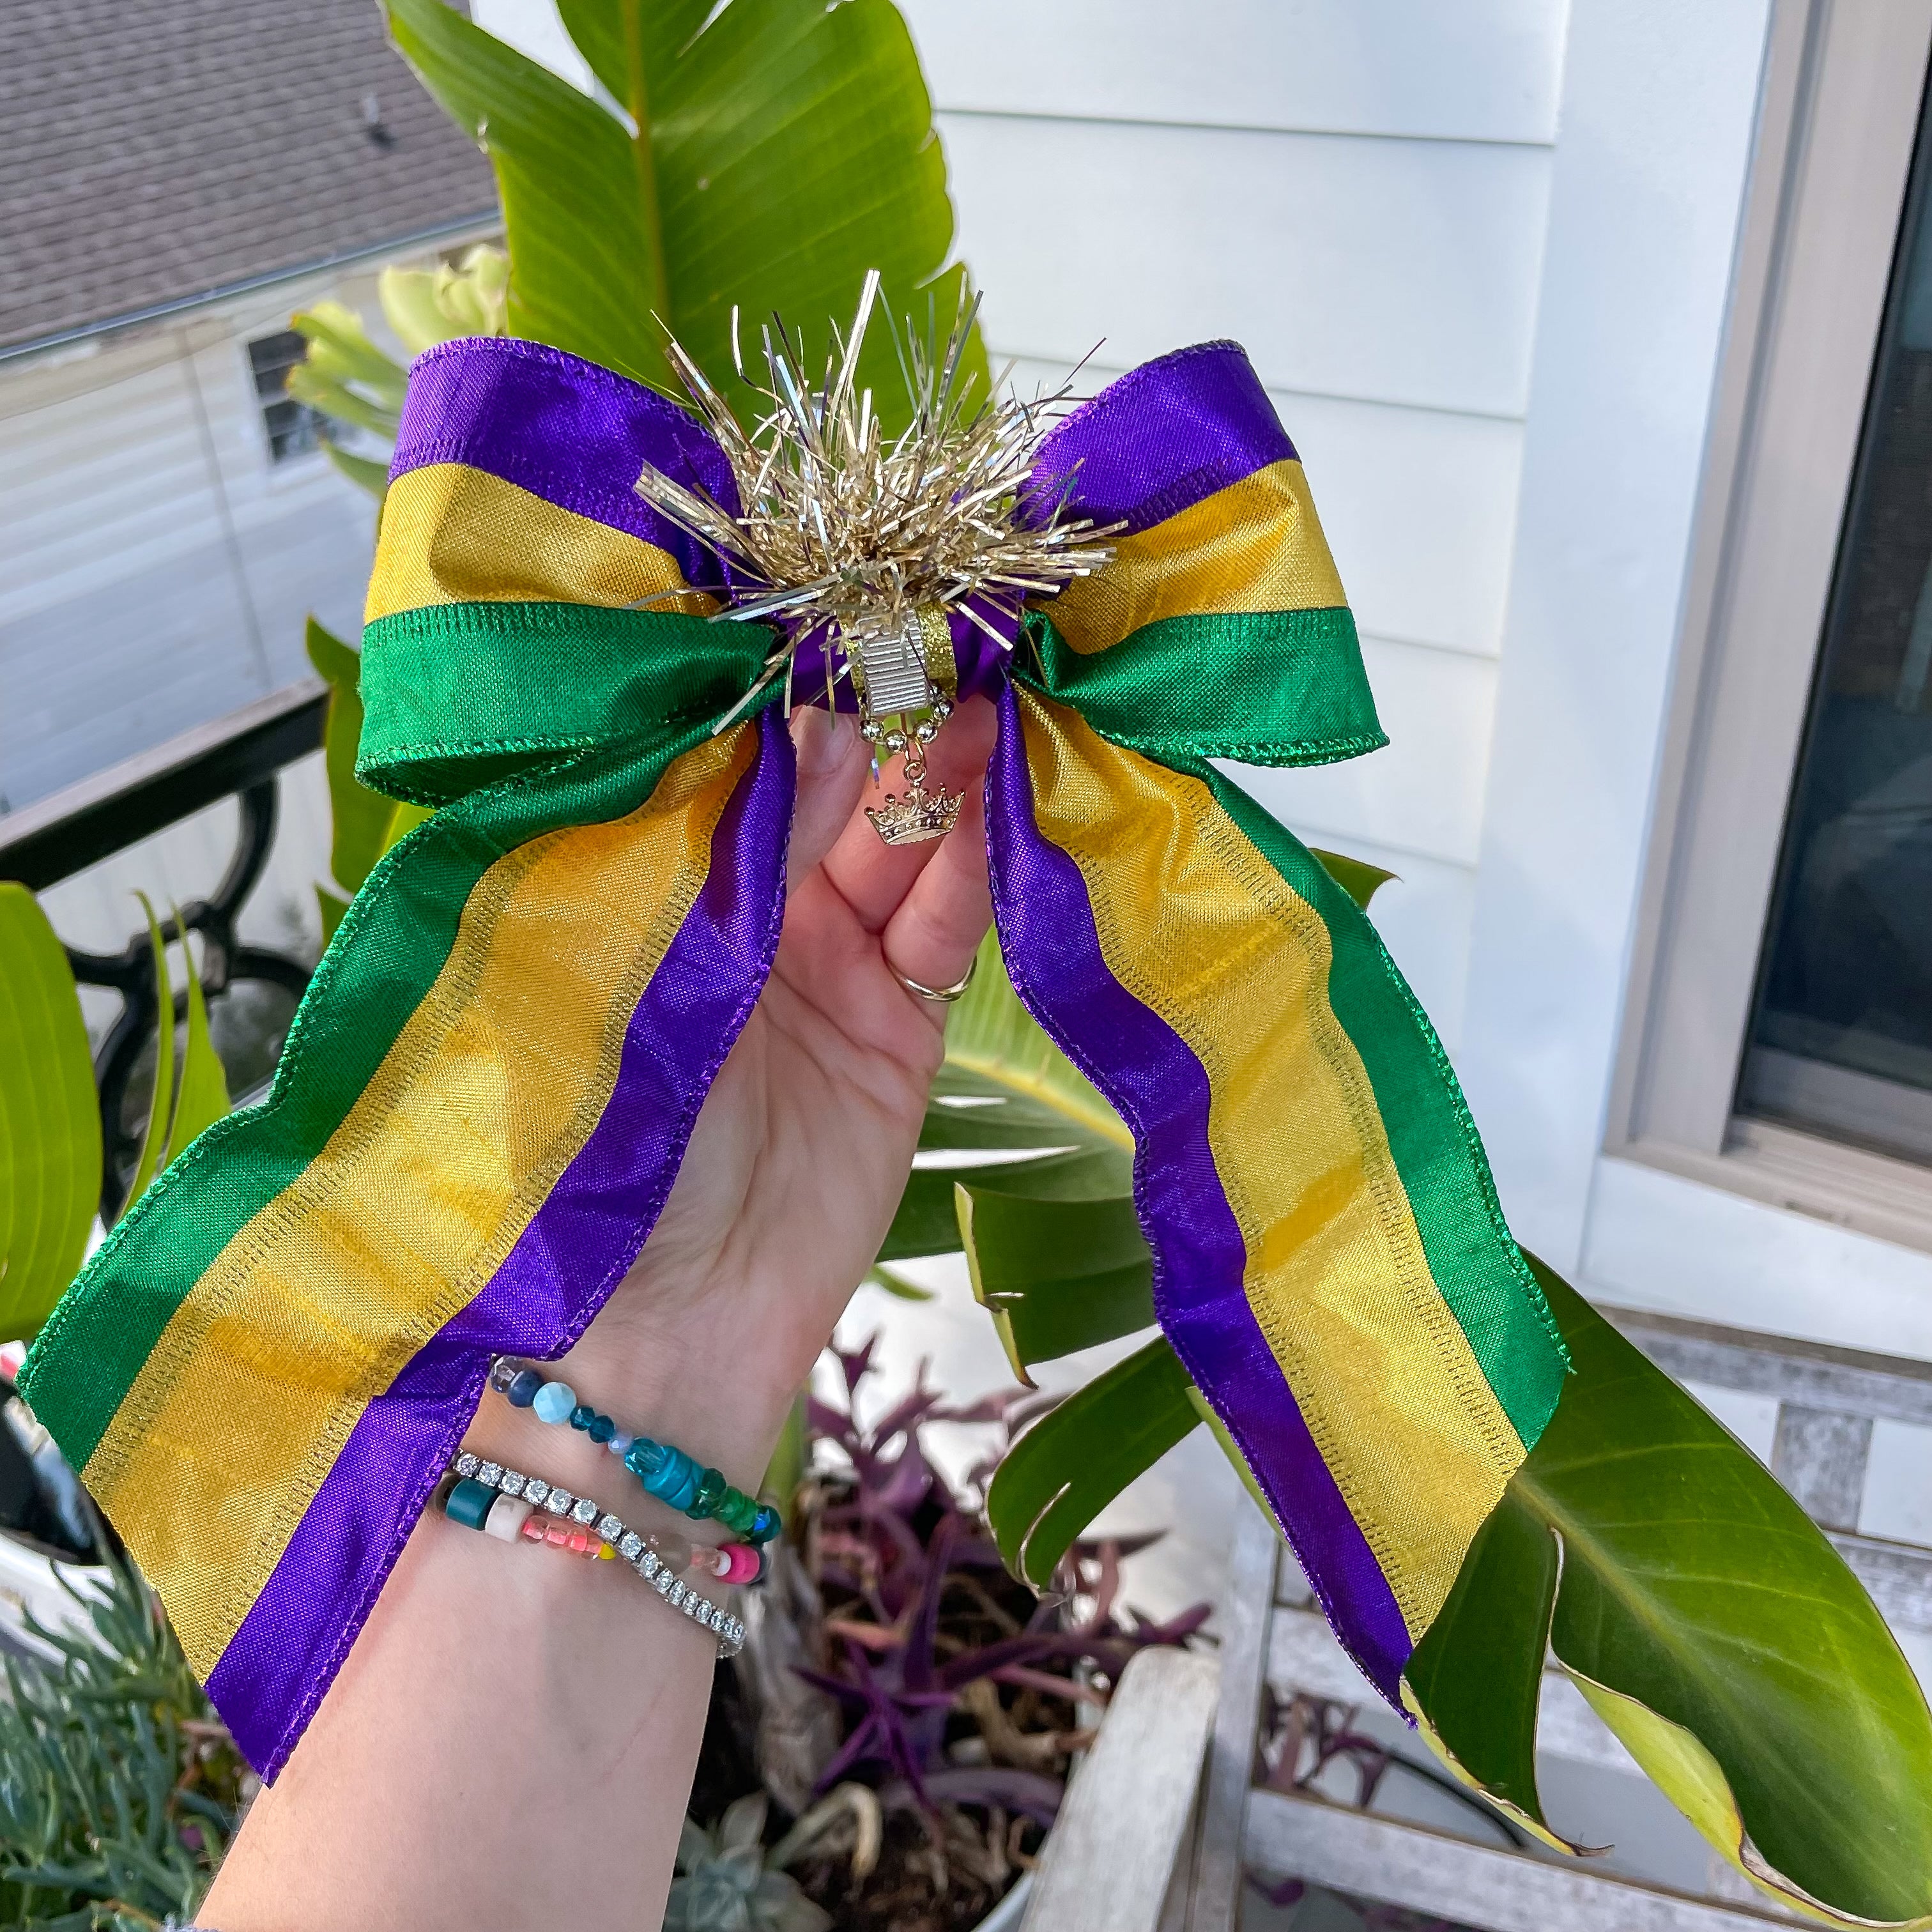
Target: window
1778,1034
1841,1036
294,429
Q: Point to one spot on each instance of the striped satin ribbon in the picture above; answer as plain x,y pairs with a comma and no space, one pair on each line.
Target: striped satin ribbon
488,1088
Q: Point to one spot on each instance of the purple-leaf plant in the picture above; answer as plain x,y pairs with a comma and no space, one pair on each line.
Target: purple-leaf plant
919,1612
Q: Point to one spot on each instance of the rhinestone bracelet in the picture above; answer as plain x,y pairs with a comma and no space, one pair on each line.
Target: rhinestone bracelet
666,1472
473,1491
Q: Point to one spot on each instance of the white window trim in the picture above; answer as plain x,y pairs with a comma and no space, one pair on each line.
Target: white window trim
1663,109
1844,84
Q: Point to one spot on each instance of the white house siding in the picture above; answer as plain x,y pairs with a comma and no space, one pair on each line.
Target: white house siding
1358,193
156,569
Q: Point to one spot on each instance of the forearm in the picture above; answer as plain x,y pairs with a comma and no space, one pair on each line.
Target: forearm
511,1740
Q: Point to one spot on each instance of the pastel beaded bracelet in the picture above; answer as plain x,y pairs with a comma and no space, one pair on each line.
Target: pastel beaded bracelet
666,1472
516,1508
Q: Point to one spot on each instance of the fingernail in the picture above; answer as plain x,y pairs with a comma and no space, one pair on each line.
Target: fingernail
823,738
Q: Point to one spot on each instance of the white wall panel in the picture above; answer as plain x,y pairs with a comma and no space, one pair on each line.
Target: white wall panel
1419,505
1660,106
1479,70
1423,791
108,483
1393,271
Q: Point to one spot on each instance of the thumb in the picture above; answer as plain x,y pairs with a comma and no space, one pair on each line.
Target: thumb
832,768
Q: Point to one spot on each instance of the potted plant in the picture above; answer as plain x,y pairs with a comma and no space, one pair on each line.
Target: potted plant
893,1747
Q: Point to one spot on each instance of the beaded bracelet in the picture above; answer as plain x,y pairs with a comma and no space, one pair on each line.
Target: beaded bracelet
666,1473
505,1503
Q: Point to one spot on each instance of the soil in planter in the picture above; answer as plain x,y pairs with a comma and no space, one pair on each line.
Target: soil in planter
912,1890
915,1887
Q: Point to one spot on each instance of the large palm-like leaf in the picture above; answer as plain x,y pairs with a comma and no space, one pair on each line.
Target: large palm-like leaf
1713,1627
49,1123
769,152
1708,1621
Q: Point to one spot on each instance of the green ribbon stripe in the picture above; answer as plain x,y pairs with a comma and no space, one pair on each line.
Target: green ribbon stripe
1474,1258
1288,687
576,718
1268,687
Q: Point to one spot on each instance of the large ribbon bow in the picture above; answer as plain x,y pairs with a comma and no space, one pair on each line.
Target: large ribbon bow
487,1090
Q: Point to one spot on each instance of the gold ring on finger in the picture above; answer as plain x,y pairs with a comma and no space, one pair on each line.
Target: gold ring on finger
943,996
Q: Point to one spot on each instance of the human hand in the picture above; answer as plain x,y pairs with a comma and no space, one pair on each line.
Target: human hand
801,1151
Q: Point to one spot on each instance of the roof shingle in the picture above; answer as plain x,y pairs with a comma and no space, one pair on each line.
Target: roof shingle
153,151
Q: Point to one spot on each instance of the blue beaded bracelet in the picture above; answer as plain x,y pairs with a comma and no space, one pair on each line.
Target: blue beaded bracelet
666,1472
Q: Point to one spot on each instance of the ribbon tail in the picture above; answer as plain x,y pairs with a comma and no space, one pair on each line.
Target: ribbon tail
485,1098
1329,1261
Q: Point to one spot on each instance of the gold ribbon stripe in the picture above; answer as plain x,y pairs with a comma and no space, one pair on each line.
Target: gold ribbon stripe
321,1299
1197,925
453,534
1257,545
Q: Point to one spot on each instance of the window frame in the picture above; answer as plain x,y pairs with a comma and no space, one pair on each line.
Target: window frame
307,418
1844,84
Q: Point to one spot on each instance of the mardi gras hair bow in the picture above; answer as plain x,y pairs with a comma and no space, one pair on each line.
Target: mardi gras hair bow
488,1089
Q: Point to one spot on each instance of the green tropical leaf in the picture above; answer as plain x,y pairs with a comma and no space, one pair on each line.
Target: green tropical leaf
364,472
772,151
1712,1626
366,824
1078,1457
426,306
1007,1095
1356,876
154,1135
203,1098
340,352
1055,1274
306,384
50,1118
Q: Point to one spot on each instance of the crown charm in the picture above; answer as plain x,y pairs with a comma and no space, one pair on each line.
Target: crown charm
919,815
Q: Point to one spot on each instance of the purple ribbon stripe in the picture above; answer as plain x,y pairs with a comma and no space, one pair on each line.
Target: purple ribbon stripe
565,429
574,1250
1157,440
1161,1090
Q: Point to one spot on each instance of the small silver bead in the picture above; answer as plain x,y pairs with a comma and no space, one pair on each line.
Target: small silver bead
895,741
870,731
942,708
926,731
